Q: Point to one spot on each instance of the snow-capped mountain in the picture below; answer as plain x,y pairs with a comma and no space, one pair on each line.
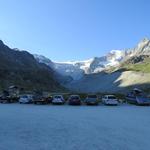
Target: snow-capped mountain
143,48
98,64
76,69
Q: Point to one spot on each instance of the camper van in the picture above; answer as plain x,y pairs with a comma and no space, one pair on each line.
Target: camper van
137,96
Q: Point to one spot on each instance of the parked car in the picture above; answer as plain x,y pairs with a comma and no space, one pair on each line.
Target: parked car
5,97
91,100
136,96
26,99
40,100
109,100
58,99
74,100
49,99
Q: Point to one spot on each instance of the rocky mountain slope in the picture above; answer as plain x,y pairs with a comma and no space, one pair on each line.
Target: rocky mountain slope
22,69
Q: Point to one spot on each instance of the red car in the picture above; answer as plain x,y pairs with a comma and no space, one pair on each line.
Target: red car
74,100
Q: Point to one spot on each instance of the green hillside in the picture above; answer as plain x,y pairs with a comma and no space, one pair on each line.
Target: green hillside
132,65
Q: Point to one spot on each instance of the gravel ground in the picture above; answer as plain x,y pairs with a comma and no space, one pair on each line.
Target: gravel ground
38,127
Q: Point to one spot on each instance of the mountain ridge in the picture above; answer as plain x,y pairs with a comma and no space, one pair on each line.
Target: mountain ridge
77,69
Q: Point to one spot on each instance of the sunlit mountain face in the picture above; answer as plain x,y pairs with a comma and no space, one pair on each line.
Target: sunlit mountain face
76,69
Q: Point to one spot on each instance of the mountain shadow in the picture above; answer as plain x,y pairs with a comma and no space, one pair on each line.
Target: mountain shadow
119,81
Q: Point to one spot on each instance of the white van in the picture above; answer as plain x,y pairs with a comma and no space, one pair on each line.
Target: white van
110,100
26,99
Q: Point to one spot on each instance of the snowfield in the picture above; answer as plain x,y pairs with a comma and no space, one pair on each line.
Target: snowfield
39,127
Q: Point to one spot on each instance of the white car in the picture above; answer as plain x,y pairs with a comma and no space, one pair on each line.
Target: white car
26,99
110,100
58,99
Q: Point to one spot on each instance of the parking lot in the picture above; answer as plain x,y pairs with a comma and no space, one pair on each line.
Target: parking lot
64,127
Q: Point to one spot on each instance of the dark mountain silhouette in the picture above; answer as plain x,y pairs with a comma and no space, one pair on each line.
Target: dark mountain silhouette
20,68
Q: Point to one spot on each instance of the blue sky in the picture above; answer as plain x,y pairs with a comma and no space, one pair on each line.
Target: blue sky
73,29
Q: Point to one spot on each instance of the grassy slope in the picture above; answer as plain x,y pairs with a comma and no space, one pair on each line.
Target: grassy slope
140,67
143,67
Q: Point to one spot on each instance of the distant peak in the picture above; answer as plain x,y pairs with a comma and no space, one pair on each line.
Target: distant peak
16,49
115,51
1,42
145,40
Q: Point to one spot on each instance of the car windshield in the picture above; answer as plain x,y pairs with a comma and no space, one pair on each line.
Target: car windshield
75,97
92,96
57,96
24,96
111,97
